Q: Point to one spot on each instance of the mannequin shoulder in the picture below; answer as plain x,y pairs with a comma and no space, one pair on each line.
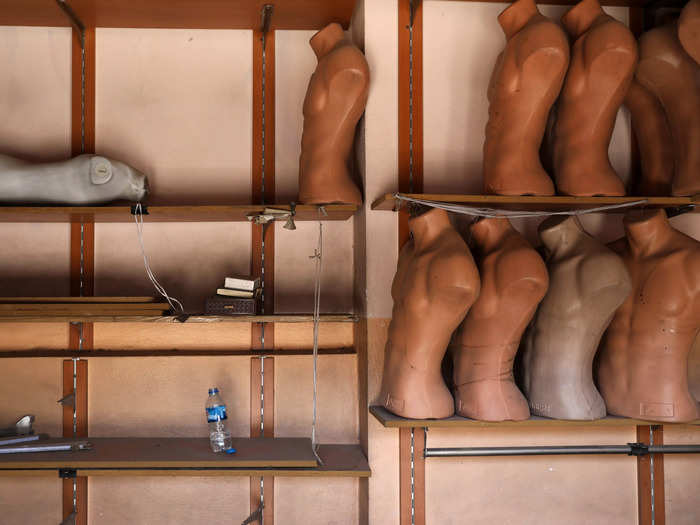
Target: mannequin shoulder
521,263
603,269
347,59
454,269
542,38
609,36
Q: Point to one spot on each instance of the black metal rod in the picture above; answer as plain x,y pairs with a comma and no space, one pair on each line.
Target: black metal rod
636,449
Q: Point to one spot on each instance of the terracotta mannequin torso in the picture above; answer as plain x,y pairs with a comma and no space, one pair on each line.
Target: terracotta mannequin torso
335,101
513,281
587,283
689,29
436,282
655,143
603,57
643,367
668,72
525,82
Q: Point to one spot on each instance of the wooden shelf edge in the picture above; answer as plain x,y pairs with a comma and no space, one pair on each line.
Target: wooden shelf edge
389,420
339,461
169,213
388,202
86,354
193,319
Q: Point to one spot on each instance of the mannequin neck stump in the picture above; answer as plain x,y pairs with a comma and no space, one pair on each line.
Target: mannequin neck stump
647,231
326,39
580,17
428,227
514,17
560,234
488,234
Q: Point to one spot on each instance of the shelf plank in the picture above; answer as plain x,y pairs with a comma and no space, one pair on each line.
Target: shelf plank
44,13
212,14
338,460
388,202
193,319
203,213
86,354
159,453
611,3
390,420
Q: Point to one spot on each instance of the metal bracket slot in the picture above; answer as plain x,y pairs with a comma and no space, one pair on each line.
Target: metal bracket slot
70,519
74,20
266,18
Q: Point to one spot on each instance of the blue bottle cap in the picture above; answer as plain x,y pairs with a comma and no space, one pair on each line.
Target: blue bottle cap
230,451
213,391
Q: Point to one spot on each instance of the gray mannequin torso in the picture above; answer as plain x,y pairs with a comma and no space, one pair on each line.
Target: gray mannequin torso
85,179
588,282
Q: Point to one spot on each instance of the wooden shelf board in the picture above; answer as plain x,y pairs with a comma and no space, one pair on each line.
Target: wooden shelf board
193,319
186,14
192,457
388,202
44,13
185,213
390,420
86,354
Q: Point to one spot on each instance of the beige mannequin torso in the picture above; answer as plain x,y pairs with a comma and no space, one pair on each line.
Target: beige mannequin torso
587,283
643,367
513,281
668,72
654,138
689,29
525,82
436,282
602,64
334,103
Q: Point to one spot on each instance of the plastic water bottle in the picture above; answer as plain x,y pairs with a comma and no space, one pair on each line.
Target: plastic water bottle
216,419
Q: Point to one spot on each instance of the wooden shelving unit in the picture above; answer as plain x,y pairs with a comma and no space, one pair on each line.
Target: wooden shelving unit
389,420
183,213
84,354
192,457
389,202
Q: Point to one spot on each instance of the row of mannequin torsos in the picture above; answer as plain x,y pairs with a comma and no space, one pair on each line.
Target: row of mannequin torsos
591,78
583,286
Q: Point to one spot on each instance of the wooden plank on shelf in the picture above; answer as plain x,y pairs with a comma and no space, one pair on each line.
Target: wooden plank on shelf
32,13
390,420
339,461
159,453
39,353
71,299
388,202
619,3
172,213
212,14
194,319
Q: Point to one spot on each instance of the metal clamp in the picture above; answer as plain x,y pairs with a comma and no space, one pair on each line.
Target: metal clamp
256,515
77,23
638,449
144,209
67,400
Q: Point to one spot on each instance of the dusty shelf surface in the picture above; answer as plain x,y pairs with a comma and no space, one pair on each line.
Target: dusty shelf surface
156,213
286,318
192,457
389,202
390,420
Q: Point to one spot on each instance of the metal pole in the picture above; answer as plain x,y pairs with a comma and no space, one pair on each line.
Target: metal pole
632,449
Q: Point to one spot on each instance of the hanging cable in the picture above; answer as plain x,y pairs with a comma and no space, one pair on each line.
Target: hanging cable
511,214
318,256
174,303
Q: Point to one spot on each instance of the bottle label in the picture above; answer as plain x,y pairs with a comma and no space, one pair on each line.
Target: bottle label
217,413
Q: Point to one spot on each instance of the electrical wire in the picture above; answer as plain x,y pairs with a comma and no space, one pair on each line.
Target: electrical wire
318,256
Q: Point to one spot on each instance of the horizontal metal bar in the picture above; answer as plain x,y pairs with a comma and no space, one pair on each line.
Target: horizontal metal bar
636,449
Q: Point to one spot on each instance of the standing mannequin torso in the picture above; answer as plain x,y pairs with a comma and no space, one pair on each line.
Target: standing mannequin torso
602,65
643,367
436,282
513,281
668,72
335,101
689,29
587,283
524,84
653,135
